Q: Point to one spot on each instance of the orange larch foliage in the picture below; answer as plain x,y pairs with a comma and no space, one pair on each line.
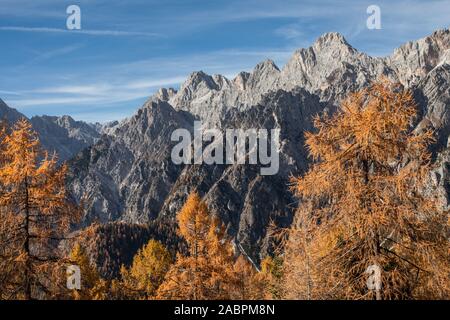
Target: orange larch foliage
93,287
35,214
365,201
209,272
147,272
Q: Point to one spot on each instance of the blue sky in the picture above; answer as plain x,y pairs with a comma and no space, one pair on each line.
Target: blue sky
126,50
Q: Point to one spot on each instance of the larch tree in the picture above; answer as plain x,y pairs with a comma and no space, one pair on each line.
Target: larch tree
248,283
368,226
147,271
93,287
35,213
208,271
271,275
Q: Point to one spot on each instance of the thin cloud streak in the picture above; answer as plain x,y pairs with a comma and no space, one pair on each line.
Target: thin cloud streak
13,93
86,32
133,83
99,94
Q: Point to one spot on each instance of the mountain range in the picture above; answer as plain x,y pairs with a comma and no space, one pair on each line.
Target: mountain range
123,171
61,135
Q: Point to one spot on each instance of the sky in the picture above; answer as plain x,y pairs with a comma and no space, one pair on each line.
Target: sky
127,50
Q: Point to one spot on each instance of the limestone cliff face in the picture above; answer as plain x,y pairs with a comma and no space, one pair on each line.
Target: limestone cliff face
128,174
414,60
64,135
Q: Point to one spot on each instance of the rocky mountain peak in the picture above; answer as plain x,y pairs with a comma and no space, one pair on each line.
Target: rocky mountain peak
3,105
221,81
64,135
199,78
196,87
240,81
331,40
415,59
263,76
266,66
9,114
442,37
66,121
165,94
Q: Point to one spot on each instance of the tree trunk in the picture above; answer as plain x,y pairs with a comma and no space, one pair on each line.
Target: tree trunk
27,242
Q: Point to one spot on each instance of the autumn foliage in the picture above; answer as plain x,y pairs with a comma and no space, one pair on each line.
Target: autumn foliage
34,216
365,201
147,272
210,271
93,287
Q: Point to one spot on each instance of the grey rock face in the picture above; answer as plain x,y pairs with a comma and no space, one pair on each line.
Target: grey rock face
440,179
165,94
128,175
63,135
238,193
433,96
414,60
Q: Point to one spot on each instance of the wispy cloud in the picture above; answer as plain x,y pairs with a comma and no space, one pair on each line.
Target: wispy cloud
132,81
95,93
291,31
155,83
47,55
85,32
12,93
76,89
